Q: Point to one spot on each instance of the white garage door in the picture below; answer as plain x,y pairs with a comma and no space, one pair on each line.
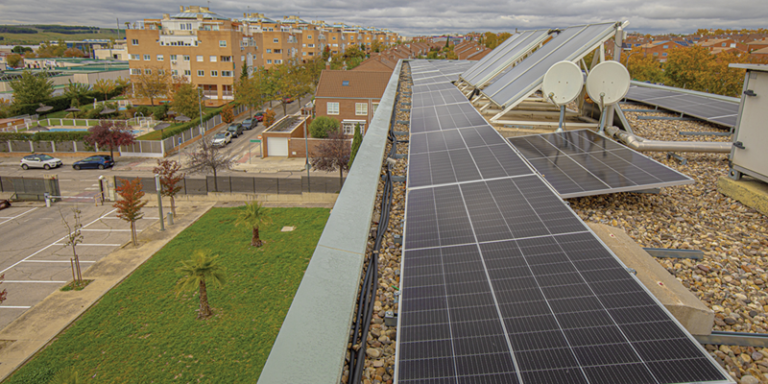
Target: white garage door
277,146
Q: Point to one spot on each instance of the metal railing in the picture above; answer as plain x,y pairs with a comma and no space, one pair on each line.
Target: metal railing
247,184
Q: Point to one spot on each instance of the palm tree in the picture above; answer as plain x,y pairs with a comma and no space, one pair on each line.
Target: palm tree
254,215
196,271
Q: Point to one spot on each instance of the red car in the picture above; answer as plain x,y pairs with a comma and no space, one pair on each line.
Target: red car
259,116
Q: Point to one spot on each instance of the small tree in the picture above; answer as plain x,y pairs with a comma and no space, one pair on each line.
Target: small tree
129,205
332,154
197,272
356,141
170,177
151,83
104,86
226,114
254,215
14,61
31,89
73,52
207,158
111,134
74,237
269,118
322,126
185,101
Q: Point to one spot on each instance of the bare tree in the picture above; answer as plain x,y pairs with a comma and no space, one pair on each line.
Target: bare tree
170,177
74,237
208,158
332,154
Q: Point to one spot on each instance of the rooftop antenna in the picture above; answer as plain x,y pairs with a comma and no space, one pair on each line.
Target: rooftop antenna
607,83
562,84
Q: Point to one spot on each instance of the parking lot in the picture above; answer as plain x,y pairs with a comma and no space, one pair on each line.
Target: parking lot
33,254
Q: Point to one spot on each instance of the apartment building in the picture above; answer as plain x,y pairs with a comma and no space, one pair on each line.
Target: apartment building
206,49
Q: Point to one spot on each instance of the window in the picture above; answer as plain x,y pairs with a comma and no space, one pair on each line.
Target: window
175,72
212,59
228,59
135,57
135,42
348,127
722,45
275,40
333,108
666,46
147,71
269,61
655,53
186,57
222,43
361,109
278,61
664,54
226,74
147,57
200,73
269,50
214,73
135,71
309,37
310,45
199,58
173,57
278,51
242,58
334,38
159,57
303,53
345,83
161,71
187,72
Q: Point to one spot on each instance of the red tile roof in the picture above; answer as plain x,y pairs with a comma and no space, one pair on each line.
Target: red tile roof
361,84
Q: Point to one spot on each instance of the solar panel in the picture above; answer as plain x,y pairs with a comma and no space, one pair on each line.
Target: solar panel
582,163
570,44
503,283
479,75
717,109
440,97
491,58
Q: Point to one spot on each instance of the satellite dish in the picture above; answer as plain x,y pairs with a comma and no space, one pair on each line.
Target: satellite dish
607,83
563,82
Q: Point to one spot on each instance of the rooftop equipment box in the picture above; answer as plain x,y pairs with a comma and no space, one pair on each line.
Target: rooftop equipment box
749,154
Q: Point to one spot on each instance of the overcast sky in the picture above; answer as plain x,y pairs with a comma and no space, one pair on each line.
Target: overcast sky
420,17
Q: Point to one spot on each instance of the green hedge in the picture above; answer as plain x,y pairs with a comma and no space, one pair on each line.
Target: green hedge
44,136
60,103
176,129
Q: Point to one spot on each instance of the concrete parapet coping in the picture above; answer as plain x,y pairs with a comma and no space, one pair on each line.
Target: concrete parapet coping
312,343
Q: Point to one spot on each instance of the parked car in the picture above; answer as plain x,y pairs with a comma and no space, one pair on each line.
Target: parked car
259,116
221,139
235,130
5,204
288,99
98,161
249,124
40,160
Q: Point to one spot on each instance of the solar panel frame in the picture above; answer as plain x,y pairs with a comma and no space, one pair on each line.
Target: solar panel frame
528,41
522,80
713,108
581,163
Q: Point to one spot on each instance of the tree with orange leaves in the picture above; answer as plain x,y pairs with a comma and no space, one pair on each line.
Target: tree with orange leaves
130,204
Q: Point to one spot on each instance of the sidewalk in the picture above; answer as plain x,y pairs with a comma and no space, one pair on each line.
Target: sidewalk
28,334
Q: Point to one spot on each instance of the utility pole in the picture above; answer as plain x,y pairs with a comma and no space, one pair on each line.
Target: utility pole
159,189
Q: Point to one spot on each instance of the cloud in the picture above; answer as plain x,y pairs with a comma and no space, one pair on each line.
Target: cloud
420,17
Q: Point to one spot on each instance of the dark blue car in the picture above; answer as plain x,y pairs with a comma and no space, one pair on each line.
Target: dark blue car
97,161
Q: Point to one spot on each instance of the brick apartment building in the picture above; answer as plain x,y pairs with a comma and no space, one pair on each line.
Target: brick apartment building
351,97
210,50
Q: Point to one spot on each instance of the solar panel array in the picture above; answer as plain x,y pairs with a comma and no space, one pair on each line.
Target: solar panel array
714,108
525,78
502,283
503,56
439,71
583,163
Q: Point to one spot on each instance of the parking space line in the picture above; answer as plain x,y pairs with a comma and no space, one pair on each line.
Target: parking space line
15,306
95,245
54,243
54,261
20,215
34,281
143,218
105,230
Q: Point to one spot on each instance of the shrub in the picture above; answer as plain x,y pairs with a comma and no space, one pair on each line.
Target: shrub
226,114
321,127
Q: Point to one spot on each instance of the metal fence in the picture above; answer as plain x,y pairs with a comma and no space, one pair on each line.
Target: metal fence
29,188
246,184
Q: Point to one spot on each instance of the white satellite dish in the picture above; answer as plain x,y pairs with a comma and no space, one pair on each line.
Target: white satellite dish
607,83
563,82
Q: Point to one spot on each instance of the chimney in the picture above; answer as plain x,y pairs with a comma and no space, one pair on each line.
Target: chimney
166,16
181,8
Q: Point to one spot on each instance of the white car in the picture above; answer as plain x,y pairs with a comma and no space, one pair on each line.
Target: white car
221,139
40,160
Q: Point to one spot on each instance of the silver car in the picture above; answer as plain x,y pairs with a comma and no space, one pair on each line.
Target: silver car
221,139
40,160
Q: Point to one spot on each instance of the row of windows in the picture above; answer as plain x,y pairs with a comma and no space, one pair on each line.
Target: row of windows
361,109
200,58
187,72
277,61
222,43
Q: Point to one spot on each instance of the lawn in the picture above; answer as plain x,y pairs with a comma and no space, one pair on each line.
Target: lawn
142,332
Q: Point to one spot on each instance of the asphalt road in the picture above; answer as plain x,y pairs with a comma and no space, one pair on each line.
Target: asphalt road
85,182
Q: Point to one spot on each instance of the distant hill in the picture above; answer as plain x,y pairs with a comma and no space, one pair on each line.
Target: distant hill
35,34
